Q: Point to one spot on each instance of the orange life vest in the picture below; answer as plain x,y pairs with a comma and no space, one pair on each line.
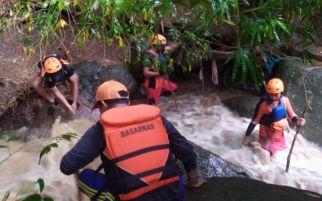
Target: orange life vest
137,142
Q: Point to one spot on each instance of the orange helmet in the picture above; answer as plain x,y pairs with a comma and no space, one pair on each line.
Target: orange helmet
158,39
51,65
275,86
109,90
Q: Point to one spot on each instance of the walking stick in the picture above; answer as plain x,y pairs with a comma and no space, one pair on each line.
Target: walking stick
202,78
172,92
293,142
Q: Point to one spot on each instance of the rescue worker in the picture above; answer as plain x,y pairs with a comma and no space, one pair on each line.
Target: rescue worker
272,112
54,70
138,148
157,64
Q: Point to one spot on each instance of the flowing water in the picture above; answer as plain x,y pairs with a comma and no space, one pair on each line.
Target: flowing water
206,122
20,169
202,120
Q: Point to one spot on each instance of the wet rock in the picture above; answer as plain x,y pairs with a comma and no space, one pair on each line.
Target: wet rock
299,78
211,165
92,74
243,105
238,189
228,182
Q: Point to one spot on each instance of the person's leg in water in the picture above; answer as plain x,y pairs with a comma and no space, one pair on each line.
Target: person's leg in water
153,96
168,88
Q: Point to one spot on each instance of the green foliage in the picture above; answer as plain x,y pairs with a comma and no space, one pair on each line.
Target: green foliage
7,136
49,147
46,150
10,135
6,196
3,146
28,187
245,65
264,24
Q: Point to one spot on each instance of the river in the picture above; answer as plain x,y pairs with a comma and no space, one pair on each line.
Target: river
203,120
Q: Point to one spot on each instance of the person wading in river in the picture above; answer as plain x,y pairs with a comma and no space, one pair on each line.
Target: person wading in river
157,64
271,113
54,70
138,148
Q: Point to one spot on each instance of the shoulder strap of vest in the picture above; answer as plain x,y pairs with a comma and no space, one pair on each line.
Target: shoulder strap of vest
121,116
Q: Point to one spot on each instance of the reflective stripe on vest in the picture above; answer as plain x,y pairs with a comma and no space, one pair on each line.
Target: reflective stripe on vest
137,142
141,191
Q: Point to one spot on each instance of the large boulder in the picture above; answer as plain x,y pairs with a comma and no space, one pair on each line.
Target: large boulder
92,74
299,78
243,105
227,181
238,188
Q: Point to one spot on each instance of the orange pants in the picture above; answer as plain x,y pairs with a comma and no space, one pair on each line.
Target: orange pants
153,94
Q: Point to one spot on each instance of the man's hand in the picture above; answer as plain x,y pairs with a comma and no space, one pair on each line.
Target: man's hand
246,140
194,180
74,107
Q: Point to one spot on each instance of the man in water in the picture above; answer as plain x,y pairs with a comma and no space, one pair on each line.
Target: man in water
54,70
138,148
271,113
157,64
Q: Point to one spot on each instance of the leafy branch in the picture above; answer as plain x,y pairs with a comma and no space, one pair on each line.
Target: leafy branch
49,147
132,22
24,192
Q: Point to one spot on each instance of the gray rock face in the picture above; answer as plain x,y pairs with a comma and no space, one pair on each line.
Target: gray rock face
227,182
296,76
243,105
245,189
92,74
211,165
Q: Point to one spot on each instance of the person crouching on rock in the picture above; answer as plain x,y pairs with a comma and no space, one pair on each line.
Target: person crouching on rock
54,70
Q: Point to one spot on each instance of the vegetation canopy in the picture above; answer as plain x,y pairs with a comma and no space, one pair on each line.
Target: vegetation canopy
264,24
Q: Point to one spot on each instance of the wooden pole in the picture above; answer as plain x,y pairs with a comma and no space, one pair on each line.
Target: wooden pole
293,142
172,92
201,77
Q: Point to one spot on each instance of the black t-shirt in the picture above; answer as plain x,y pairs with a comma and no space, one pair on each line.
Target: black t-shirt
53,79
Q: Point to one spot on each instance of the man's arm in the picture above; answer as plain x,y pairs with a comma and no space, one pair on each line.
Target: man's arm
171,47
148,73
61,98
252,124
85,151
75,88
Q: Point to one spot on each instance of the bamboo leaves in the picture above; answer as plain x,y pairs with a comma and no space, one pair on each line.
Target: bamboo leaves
245,67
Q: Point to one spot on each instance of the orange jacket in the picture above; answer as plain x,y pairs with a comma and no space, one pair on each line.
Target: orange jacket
137,142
